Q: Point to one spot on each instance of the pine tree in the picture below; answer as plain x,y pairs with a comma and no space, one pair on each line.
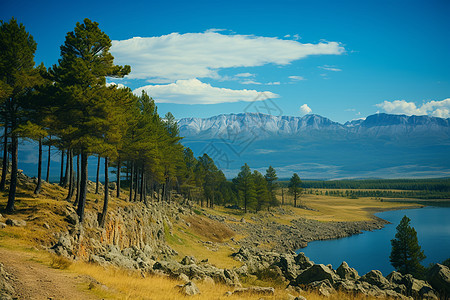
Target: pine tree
295,187
271,177
80,82
246,187
18,78
406,253
263,195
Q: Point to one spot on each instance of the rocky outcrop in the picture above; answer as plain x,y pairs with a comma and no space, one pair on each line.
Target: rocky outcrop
345,272
6,290
286,238
439,278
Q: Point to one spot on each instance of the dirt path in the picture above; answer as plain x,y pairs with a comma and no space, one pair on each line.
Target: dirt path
33,280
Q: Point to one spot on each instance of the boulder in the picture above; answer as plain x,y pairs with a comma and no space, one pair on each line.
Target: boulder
302,261
439,278
2,225
323,287
416,287
345,272
375,277
188,289
316,273
17,223
188,260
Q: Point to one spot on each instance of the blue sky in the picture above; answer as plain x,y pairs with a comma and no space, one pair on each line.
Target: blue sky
339,59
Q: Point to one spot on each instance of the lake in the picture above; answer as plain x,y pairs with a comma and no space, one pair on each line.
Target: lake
371,250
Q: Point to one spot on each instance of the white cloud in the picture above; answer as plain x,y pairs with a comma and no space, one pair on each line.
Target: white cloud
304,109
193,91
250,82
274,83
297,78
245,75
201,55
433,108
330,68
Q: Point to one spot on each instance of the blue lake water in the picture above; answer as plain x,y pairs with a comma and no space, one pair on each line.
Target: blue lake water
371,250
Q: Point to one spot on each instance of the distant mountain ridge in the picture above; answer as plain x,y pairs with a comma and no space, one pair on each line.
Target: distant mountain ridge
265,126
380,146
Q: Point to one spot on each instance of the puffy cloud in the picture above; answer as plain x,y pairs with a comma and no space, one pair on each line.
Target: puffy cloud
201,55
193,91
274,83
304,109
433,108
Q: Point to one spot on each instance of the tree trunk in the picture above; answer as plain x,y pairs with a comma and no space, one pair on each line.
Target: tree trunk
13,184
118,177
62,168
5,159
106,198
37,190
131,182
136,184
71,177
83,184
282,196
47,178
295,199
98,173
141,187
66,174
143,199
77,197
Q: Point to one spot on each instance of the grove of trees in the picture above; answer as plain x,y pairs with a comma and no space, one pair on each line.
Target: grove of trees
70,108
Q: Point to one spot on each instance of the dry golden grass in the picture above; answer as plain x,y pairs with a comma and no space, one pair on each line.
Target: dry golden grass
44,214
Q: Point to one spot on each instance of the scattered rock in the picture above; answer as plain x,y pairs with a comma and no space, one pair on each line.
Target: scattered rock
2,225
324,287
17,223
188,289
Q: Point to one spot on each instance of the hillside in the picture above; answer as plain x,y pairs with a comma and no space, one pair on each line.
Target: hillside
148,250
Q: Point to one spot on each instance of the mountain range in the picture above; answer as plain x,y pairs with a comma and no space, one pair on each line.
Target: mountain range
379,146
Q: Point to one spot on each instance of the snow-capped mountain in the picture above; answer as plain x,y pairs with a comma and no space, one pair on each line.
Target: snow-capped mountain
266,126
381,145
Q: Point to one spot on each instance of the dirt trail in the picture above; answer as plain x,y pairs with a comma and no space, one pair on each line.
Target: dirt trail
33,280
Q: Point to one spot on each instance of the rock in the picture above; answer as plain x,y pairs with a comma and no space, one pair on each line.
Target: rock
6,290
345,272
269,291
46,226
188,289
302,261
2,225
183,277
208,280
439,278
188,260
324,287
17,223
416,287
316,273
375,277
